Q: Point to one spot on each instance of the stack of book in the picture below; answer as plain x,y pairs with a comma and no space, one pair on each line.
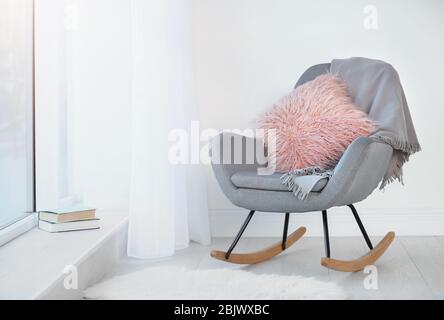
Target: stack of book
69,219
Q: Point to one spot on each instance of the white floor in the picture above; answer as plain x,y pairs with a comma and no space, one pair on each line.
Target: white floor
412,268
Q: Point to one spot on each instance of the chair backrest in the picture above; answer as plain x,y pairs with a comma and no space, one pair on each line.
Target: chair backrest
313,72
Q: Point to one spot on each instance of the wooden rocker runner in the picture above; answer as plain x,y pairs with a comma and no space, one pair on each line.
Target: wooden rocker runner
274,250
262,255
357,174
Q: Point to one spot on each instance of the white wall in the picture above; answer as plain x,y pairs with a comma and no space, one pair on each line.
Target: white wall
249,53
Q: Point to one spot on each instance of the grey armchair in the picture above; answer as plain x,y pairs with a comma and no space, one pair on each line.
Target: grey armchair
357,174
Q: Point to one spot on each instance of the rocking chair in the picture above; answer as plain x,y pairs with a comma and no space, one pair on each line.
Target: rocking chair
357,174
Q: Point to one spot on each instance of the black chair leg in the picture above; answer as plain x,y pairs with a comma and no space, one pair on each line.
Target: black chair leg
326,236
239,234
361,226
284,236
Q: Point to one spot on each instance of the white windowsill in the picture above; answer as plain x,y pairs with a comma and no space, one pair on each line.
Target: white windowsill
35,261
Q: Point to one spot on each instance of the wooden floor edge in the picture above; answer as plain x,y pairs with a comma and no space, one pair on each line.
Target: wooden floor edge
261,255
360,263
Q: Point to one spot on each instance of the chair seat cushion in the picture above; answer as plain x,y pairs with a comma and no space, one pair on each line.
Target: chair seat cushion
249,179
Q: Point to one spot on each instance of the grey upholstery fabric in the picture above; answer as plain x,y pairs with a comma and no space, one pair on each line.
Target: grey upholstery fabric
358,173
249,179
313,72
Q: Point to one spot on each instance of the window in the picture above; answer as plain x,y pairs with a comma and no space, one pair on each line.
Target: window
16,111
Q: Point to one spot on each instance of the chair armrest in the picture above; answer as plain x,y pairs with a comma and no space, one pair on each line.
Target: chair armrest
360,169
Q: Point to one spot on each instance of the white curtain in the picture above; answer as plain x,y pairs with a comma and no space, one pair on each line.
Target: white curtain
167,202
113,78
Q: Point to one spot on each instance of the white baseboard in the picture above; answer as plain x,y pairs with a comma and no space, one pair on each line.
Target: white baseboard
377,221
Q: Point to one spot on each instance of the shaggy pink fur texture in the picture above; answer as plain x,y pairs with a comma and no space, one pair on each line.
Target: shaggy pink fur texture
314,124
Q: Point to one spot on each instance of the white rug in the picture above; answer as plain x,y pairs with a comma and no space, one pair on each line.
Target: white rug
172,283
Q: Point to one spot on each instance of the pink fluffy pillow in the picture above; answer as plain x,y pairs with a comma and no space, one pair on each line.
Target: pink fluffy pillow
314,124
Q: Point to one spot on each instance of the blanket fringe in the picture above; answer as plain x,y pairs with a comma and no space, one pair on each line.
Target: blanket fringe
405,149
288,179
399,144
